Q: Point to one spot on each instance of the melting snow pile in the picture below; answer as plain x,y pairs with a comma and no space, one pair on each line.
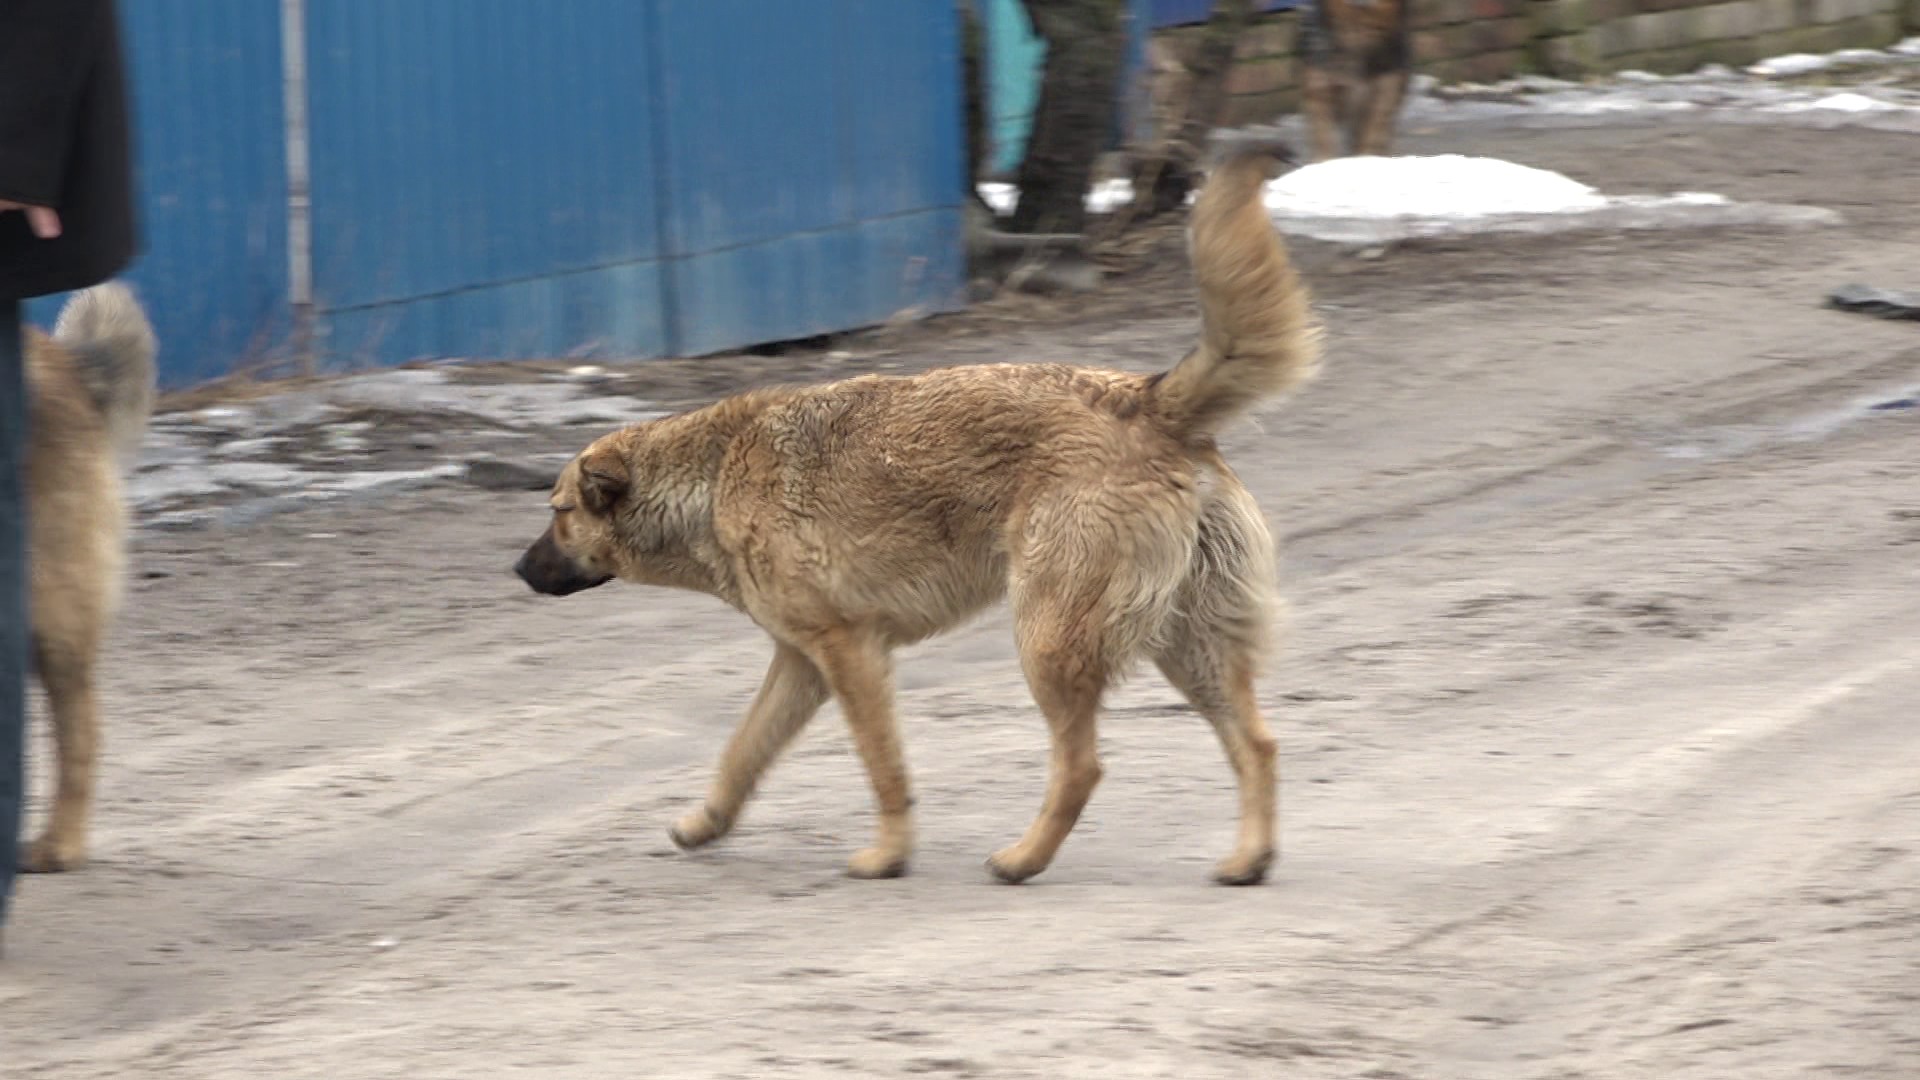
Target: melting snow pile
1374,199
1447,186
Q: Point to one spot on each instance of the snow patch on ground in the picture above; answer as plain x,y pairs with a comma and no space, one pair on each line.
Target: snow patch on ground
1775,67
1378,199
1770,91
1382,200
1843,102
227,464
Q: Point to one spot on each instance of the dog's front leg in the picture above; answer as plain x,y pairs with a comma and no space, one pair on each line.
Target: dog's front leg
858,669
789,696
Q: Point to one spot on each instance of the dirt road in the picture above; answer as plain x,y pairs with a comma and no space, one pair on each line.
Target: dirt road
1599,747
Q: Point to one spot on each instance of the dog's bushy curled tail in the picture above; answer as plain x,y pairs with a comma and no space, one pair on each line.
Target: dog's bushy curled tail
113,346
1258,335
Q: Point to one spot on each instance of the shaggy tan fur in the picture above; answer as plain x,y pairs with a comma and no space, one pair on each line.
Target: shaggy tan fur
91,388
851,518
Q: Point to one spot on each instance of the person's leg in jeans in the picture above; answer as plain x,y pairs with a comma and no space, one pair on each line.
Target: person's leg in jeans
13,593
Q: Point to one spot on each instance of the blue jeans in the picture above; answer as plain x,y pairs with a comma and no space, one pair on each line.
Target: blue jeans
13,593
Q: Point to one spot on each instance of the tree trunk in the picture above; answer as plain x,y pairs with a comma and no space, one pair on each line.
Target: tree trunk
1162,180
1075,114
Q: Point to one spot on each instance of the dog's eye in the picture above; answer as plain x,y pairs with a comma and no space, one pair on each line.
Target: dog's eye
563,508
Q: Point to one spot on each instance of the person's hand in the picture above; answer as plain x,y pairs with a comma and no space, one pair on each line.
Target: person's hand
44,222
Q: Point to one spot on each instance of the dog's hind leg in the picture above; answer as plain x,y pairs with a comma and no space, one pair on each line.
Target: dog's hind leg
1211,651
789,696
1095,574
857,668
66,671
1374,132
1061,595
1217,679
1324,100
1066,670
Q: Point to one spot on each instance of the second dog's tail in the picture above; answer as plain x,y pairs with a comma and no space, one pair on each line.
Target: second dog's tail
113,346
1258,336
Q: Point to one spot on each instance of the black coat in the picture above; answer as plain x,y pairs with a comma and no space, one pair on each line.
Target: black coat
63,143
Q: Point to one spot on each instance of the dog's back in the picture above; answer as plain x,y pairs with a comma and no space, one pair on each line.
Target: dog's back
91,387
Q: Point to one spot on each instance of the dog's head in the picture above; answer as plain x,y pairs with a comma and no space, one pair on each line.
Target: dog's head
580,549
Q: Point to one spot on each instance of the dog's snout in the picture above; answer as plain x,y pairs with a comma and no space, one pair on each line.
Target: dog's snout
548,571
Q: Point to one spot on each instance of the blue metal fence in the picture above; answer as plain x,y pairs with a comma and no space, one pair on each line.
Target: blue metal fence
814,167
485,179
502,178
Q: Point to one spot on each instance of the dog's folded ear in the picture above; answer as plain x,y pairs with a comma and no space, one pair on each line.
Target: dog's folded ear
604,479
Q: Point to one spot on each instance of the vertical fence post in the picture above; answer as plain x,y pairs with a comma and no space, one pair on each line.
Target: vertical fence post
293,60
671,317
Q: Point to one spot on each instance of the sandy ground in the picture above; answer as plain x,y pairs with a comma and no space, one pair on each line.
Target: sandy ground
1598,729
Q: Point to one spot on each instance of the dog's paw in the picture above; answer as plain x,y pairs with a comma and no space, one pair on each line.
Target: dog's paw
1248,869
1013,866
697,829
44,856
873,864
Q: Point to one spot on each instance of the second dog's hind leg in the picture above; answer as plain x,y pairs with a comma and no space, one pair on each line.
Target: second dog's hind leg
66,671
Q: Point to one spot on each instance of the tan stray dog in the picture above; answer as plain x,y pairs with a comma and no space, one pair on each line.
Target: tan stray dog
854,517
90,389
1356,57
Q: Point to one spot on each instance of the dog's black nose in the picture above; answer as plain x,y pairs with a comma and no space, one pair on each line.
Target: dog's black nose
520,567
